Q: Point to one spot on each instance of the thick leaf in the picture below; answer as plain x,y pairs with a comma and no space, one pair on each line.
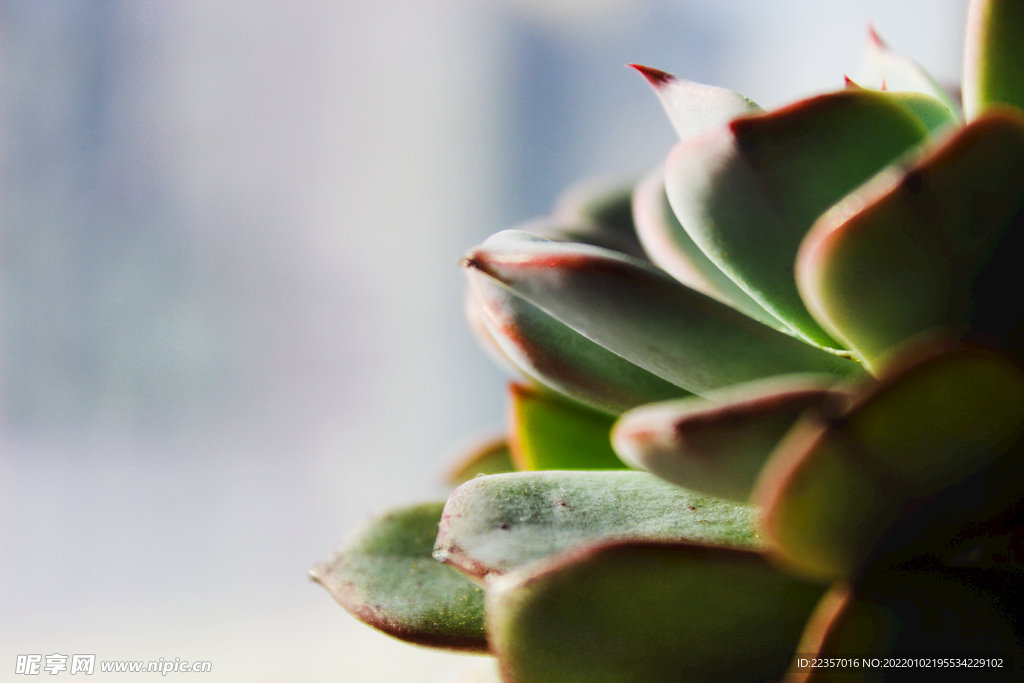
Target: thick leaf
492,525
993,56
558,357
596,212
748,192
669,246
869,484
642,314
648,613
549,432
692,107
485,456
598,202
937,243
385,575
718,447
886,69
939,612
485,337
936,116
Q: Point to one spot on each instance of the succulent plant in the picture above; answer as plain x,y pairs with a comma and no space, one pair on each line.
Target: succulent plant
807,331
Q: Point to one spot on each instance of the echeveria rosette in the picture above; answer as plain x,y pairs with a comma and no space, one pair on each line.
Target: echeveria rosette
810,325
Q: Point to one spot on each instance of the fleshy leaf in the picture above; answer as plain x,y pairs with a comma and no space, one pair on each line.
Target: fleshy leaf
693,107
718,447
993,56
669,246
963,612
596,212
748,192
883,65
487,456
385,575
936,116
933,244
549,432
870,483
492,525
648,613
558,357
642,314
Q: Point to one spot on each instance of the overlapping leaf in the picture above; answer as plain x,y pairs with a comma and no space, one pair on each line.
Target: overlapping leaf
492,525
640,313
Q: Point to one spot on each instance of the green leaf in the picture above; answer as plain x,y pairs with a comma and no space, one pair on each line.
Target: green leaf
560,358
933,243
886,69
488,456
594,211
748,192
384,575
642,314
936,116
669,246
718,447
552,433
648,613
693,107
993,56
492,525
917,461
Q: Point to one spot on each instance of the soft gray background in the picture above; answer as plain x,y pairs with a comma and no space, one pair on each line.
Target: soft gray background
229,302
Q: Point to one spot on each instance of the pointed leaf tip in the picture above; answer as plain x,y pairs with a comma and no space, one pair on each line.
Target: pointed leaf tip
656,77
873,37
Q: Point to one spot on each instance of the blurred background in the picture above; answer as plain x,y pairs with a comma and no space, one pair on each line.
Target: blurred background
230,307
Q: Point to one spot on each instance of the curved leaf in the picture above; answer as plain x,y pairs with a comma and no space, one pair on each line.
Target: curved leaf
718,447
558,357
492,525
645,316
748,192
670,247
385,575
993,56
693,107
936,243
550,433
845,489
648,613
486,456
886,69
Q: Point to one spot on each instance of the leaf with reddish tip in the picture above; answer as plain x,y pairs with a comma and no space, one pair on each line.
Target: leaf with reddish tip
887,69
486,456
993,56
748,192
648,613
485,337
549,432
669,246
492,525
694,107
933,243
641,313
718,447
917,461
384,575
560,358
